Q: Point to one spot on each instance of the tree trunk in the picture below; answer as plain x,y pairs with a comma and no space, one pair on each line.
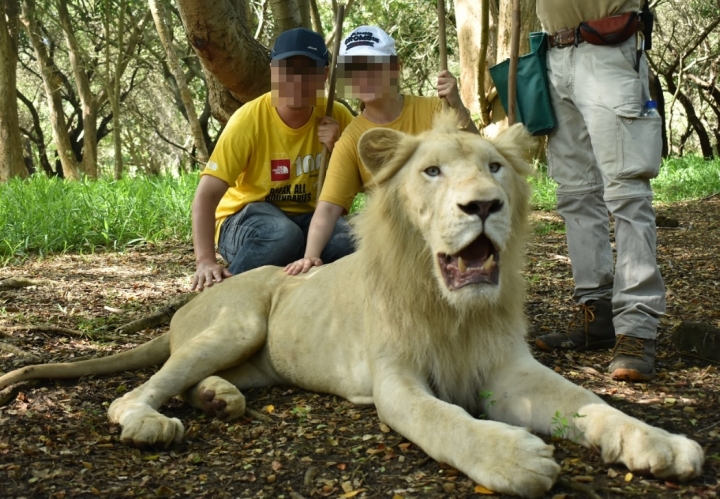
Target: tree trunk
162,27
286,15
11,154
692,117
82,82
52,81
529,23
477,52
221,37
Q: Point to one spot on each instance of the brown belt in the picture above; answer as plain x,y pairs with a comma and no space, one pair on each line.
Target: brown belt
565,38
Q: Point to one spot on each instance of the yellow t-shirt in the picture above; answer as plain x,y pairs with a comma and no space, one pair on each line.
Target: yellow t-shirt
557,15
263,159
346,175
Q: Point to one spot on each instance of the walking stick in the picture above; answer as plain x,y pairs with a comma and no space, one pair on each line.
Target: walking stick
442,41
331,92
512,71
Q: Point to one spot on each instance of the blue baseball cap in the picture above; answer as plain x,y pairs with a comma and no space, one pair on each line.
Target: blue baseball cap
300,41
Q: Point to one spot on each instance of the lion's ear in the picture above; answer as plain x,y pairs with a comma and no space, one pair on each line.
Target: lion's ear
377,147
516,144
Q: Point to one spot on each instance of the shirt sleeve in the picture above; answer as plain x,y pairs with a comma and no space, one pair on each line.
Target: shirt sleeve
234,148
342,180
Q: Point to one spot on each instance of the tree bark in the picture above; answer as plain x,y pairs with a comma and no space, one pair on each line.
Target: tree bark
220,35
82,82
530,23
478,47
161,24
286,15
12,163
52,82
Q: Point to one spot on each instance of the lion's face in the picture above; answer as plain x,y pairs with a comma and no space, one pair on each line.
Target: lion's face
462,194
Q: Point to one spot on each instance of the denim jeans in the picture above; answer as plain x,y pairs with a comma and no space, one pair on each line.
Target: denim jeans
261,234
602,155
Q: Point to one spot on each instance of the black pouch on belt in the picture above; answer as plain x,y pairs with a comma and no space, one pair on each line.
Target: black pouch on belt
610,30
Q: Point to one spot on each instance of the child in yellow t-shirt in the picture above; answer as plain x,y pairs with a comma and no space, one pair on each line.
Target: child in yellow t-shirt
257,193
368,69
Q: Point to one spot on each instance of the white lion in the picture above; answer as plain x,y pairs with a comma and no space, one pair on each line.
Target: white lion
426,315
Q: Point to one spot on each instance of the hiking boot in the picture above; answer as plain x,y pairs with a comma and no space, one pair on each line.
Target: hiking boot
633,359
593,329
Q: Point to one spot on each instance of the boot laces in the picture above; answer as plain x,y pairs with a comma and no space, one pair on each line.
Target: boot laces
629,346
588,315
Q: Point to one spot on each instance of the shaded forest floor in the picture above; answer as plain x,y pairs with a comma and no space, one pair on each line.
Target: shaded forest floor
55,440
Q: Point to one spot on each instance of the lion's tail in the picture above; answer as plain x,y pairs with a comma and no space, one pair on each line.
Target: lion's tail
148,354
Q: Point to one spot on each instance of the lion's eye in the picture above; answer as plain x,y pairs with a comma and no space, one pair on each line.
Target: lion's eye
432,171
494,167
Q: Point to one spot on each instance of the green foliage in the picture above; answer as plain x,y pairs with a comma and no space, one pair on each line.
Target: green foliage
680,179
48,215
562,427
689,177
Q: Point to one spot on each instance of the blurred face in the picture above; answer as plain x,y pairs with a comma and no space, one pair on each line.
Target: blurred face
368,77
297,81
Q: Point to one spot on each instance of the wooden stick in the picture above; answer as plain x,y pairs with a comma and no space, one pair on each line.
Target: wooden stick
442,41
514,52
331,92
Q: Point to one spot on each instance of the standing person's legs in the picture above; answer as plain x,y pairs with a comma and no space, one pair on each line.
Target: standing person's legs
572,165
628,151
259,234
340,243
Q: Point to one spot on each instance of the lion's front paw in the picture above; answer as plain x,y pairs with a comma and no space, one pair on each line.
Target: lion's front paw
517,463
150,429
646,448
221,399
143,426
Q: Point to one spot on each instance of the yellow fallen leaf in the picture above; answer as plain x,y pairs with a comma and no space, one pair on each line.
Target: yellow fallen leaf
269,408
87,465
397,496
347,487
629,477
384,428
352,493
479,489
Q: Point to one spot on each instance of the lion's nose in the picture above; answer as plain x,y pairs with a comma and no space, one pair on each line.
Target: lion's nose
482,209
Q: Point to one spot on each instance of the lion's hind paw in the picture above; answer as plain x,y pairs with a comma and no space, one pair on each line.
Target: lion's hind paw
221,399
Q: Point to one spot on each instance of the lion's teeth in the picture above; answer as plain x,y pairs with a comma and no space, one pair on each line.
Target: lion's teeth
489,263
461,265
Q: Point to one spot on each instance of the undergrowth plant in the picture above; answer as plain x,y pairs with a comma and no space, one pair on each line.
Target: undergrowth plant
680,179
48,215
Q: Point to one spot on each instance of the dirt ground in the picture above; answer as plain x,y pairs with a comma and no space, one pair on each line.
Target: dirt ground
56,442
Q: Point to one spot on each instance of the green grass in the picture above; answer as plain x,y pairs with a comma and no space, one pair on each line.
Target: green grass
680,179
42,215
47,215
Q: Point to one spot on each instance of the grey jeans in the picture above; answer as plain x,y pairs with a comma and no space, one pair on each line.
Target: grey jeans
261,234
603,154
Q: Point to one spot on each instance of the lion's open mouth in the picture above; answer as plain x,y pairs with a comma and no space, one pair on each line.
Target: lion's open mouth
477,263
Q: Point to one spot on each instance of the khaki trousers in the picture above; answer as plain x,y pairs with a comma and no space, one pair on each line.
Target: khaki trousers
602,155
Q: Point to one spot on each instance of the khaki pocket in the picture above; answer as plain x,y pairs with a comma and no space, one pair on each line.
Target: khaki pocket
639,147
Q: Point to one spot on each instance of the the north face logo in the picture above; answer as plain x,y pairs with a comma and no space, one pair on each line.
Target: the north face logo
279,170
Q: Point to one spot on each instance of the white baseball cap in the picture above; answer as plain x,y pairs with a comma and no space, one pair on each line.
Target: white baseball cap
367,41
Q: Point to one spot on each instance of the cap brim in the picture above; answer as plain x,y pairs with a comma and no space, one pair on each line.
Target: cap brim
365,51
285,55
